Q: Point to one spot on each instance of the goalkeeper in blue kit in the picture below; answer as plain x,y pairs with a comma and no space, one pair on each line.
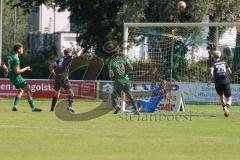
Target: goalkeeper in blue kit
159,91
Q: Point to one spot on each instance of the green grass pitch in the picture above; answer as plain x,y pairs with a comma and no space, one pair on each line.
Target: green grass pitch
208,135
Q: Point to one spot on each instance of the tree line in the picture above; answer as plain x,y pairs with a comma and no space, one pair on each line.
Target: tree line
100,21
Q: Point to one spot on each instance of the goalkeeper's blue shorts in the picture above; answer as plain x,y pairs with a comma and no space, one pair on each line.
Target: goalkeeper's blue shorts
151,105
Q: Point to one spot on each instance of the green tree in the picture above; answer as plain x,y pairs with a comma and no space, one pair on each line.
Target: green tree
21,26
224,11
99,21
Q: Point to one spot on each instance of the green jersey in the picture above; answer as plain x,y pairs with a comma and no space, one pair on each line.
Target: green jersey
118,67
12,61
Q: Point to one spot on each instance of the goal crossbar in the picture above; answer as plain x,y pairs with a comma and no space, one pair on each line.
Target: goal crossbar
222,24
167,46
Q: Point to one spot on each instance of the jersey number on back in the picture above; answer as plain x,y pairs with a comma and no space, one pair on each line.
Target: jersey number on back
60,62
221,69
120,69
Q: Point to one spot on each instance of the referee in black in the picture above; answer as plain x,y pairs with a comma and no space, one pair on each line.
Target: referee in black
221,72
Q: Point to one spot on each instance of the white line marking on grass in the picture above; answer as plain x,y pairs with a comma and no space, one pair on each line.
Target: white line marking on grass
87,129
31,127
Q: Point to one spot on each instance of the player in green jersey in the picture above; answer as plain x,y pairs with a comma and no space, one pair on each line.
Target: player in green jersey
12,69
118,68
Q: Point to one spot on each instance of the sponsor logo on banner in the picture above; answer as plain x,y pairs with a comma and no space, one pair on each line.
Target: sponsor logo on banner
200,92
87,90
43,89
192,92
106,88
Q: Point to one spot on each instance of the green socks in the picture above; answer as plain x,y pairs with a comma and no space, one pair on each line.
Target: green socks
16,101
133,102
31,103
114,100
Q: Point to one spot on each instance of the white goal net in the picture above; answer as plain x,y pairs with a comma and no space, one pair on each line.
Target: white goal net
181,54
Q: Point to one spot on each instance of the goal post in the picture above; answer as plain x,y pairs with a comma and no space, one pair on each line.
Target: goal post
125,52
180,53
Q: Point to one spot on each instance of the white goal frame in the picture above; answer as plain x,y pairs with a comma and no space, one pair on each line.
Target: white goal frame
126,34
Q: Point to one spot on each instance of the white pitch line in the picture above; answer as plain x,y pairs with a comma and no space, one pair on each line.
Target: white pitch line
87,129
31,127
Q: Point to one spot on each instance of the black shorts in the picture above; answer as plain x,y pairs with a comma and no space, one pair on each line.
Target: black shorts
61,82
223,89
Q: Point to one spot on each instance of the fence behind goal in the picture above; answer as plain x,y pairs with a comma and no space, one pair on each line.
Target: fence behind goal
181,53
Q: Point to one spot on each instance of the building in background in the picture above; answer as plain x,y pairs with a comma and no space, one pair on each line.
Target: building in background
48,27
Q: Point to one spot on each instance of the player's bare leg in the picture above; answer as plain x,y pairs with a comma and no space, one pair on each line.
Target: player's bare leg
54,100
225,107
133,102
30,100
70,100
114,102
222,100
17,98
229,102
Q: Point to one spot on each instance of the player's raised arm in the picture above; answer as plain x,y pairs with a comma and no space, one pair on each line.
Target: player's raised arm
79,52
111,74
51,68
211,73
129,65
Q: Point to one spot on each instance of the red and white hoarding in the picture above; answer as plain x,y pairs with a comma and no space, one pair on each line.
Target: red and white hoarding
43,89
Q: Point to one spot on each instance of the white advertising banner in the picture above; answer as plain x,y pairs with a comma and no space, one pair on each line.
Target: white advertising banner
192,92
200,92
